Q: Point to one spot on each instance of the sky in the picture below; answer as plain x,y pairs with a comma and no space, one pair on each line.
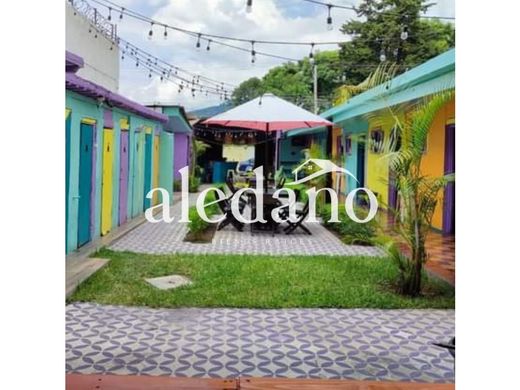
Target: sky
288,20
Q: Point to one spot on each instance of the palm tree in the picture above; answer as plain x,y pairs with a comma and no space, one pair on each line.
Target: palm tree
197,149
418,194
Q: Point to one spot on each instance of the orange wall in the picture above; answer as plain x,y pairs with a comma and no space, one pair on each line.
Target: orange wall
433,159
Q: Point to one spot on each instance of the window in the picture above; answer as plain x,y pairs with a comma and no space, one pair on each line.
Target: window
339,146
395,139
348,145
376,141
300,141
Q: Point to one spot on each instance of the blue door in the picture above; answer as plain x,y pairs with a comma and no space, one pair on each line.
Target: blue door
147,169
85,182
67,173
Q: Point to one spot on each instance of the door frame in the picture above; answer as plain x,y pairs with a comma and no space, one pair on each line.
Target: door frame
81,203
448,212
107,182
123,184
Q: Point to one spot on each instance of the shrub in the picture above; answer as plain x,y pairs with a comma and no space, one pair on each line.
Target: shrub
351,232
194,182
177,186
197,225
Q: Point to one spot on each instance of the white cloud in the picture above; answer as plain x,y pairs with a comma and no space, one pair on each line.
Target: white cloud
270,20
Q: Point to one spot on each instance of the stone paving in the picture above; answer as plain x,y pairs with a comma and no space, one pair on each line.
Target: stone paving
295,343
165,238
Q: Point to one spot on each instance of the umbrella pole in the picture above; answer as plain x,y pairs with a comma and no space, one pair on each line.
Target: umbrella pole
266,154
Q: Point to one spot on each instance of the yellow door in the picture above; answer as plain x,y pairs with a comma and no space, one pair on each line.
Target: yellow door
106,184
155,199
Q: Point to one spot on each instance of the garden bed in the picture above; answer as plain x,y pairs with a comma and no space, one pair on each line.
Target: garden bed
202,237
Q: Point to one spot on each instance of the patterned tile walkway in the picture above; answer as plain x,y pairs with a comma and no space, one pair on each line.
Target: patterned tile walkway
164,238
296,343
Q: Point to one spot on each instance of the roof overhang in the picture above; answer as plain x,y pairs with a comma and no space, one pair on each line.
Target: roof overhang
73,62
89,89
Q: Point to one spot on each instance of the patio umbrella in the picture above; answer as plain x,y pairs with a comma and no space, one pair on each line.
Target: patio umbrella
268,113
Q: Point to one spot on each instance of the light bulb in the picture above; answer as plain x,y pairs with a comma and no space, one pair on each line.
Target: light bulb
382,57
165,33
404,33
329,19
150,33
330,27
249,6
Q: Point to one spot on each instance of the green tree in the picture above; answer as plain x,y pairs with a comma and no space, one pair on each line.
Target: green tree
379,31
293,82
247,90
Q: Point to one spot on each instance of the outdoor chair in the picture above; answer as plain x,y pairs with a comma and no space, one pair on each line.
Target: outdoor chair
231,185
225,207
301,215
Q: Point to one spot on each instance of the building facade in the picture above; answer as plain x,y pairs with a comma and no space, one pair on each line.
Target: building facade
116,151
365,123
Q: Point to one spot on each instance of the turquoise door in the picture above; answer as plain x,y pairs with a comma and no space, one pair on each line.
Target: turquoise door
85,182
67,173
147,169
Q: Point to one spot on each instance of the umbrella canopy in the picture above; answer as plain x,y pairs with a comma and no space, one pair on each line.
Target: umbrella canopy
268,113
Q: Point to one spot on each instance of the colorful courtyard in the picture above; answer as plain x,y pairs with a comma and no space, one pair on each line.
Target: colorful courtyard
363,295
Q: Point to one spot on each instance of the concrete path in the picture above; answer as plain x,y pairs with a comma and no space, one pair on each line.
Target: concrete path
165,238
361,344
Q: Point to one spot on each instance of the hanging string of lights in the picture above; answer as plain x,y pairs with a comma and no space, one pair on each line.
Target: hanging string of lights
126,46
352,8
194,86
184,79
209,39
330,6
168,72
217,39
152,22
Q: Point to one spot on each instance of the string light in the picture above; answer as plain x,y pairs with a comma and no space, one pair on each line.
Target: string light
404,33
165,35
382,55
207,47
197,45
121,14
329,18
249,6
150,33
109,14
311,54
253,52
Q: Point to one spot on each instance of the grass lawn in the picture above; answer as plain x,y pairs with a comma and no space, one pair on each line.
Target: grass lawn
256,282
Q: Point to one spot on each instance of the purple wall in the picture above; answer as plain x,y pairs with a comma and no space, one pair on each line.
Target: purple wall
180,153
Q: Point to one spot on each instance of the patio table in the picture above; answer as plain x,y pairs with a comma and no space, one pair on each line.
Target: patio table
269,203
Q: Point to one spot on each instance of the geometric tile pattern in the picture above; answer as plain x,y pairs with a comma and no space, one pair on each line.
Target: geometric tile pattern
439,247
166,238
441,255
362,344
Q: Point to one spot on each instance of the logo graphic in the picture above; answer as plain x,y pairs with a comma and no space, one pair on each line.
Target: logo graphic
254,197
326,166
